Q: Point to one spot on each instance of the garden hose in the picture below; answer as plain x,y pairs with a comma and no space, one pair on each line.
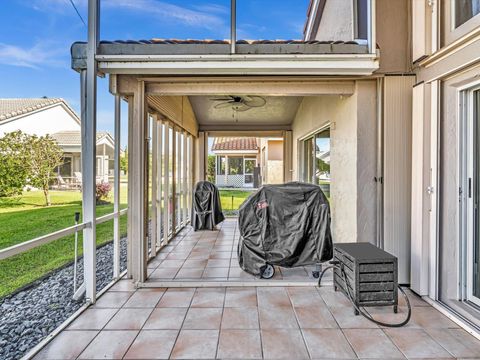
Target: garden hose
360,310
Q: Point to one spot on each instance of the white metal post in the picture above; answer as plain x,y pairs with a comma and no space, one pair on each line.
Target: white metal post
233,26
372,42
184,178
166,159
89,131
116,192
158,200
130,177
153,209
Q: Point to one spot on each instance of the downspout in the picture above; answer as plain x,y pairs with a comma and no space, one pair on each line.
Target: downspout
379,171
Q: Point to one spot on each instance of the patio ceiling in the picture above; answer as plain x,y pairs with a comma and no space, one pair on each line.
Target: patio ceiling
278,110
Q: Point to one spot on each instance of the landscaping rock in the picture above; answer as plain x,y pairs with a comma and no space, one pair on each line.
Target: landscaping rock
27,317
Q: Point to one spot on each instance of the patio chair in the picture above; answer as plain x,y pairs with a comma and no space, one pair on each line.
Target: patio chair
78,179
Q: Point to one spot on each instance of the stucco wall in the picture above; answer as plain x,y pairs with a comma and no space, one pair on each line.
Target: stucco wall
336,22
352,157
275,150
42,122
313,113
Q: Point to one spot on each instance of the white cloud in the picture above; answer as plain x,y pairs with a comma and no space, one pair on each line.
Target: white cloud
38,55
203,16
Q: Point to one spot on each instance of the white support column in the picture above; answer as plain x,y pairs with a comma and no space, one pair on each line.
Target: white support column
184,178
153,209
130,177
116,192
137,168
372,41
89,134
158,239
166,159
174,181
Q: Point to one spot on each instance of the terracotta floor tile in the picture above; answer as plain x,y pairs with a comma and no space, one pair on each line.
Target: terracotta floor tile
189,273
333,298
272,296
416,343
93,319
152,344
457,342
123,285
203,318
196,344
172,264
278,317
294,274
222,263
209,297
315,317
144,299
113,299
305,297
109,345
372,344
177,297
178,255
328,343
220,255
129,319
67,345
215,272
241,297
165,319
283,344
240,318
199,264
239,344
347,320
428,317
164,273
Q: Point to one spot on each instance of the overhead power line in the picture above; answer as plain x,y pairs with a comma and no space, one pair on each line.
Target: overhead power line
78,12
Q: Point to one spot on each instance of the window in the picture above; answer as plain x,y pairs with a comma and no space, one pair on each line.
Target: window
220,165
235,165
65,170
361,19
316,160
465,10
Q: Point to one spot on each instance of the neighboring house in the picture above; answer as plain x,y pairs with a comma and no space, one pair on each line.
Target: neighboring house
71,143
235,161
53,116
271,160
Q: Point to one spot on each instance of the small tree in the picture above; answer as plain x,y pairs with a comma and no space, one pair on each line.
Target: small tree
44,157
14,164
211,168
124,162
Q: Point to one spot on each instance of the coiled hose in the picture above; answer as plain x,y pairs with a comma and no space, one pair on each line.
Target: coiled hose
357,308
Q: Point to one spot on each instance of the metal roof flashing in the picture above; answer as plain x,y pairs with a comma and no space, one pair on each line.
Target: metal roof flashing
177,56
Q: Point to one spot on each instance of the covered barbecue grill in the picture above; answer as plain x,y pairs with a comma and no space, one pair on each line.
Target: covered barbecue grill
286,225
206,206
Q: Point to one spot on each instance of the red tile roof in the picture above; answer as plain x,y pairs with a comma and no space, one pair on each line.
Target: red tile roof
235,144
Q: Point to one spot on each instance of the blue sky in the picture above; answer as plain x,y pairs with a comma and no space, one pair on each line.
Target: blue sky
35,37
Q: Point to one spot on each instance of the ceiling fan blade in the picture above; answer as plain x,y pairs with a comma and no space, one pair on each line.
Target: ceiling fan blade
223,105
229,98
256,101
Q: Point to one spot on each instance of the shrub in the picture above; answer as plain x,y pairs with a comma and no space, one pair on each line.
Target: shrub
102,191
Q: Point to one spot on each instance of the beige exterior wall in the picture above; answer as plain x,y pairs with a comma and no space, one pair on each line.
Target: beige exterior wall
336,22
393,35
275,150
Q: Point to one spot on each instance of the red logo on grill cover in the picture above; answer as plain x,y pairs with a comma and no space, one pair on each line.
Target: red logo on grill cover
262,205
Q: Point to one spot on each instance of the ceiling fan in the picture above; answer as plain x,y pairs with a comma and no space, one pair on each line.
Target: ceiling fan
239,102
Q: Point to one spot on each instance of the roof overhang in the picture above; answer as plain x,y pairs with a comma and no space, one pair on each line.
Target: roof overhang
263,59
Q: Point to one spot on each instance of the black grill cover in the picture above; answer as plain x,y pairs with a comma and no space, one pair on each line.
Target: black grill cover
286,225
206,206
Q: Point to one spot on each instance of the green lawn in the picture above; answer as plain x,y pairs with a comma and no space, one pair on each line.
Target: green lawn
26,218
239,197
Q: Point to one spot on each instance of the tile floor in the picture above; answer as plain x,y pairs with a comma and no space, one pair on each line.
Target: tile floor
248,322
212,256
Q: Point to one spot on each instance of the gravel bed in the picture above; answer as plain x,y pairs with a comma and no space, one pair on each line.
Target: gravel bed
30,315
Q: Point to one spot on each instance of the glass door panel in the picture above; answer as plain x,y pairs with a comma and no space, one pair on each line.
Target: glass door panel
249,166
475,180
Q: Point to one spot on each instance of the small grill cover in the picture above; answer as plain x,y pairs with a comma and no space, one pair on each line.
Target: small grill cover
206,207
286,225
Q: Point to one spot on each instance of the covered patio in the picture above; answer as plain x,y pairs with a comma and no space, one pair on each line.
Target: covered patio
247,322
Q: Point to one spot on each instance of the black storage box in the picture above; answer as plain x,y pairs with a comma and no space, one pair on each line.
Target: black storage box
372,274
